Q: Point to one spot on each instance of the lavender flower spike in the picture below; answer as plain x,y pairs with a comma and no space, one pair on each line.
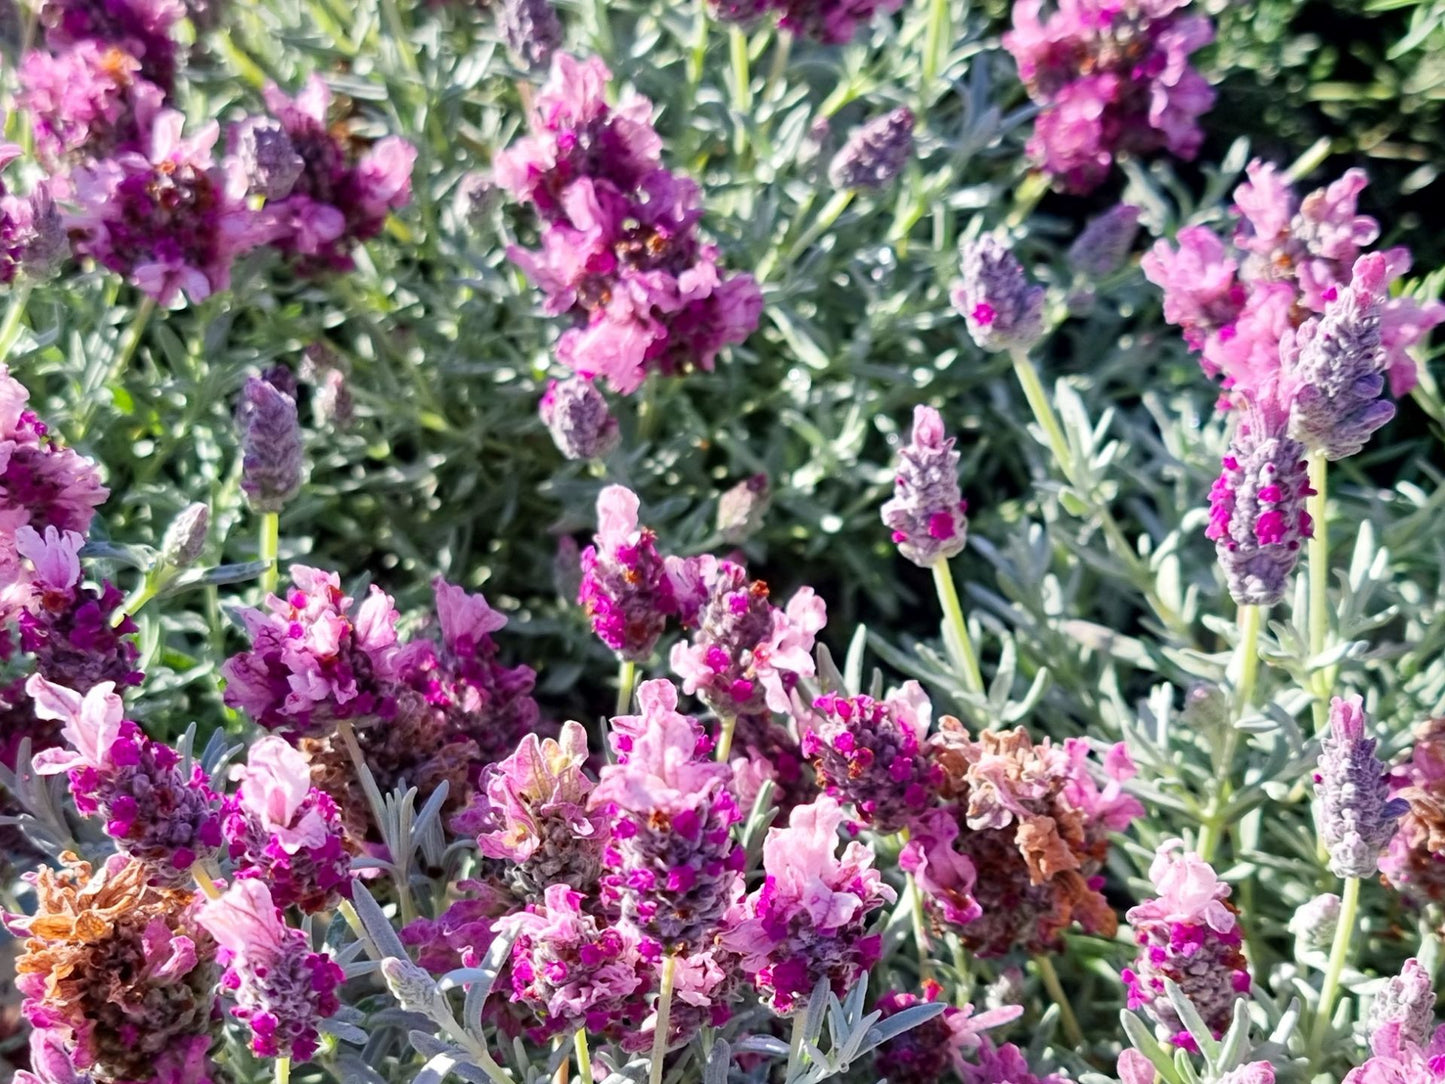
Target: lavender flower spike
1103,246
1357,816
271,450
1004,311
928,515
1409,1001
577,416
1338,374
1256,517
267,156
875,153
531,30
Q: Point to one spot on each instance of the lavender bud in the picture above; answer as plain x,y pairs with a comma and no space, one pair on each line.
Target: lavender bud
477,196
741,509
531,30
1206,707
47,244
412,987
1357,815
186,536
927,513
331,404
567,568
875,153
1003,310
1314,923
1257,519
576,413
1407,1000
1338,372
272,457
268,158
1104,245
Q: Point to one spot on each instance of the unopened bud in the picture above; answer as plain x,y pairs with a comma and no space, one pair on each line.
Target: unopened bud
576,414
741,509
1002,308
272,456
531,30
1315,922
412,986
875,153
268,157
186,536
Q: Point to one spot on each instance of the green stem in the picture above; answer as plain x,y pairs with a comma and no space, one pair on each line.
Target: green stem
626,679
392,14
1067,1018
935,42
953,611
664,1020
584,1056
741,70
204,880
602,28
10,329
698,53
725,738
1251,619
1319,565
348,912
269,547
830,214
1043,410
1339,952
283,1071
781,51
133,605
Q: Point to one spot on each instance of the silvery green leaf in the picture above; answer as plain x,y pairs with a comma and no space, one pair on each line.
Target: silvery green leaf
376,924
1235,1045
348,1033
428,1045
212,577
719,1063
883,1030
829,679
763,1044
1193,1022
355,1069
633,1072
138,557
853,661
1143,1041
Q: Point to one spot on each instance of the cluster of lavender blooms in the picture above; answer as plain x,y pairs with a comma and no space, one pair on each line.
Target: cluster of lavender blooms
1110,79
619,248
832,21
154,204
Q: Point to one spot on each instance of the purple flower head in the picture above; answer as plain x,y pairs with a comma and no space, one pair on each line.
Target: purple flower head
875,153
808,921
1104,245
928,515
833,22
85,103
268,158
281,989
1357,815
72,630
33,241
625,587
315,657
1397,1059
42,483
142,28
671,866
137,787
1407,1000
1189,934
273,458
1004,1065
284,831
1109,78
531,810
1256,507
576,414
531,30
1002,309
872,753
1336,367
944,875
747,655
924,1054
339,198
568,968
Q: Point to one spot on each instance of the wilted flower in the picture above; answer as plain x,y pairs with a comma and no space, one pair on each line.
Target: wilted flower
747,654
576,414
1015,859
282,989
872,753
531,30
153,811
115,971
1104,244
282,830
927,513
625,587
1257,516
875,153
808,920
671,866
923,1054
1002,309
1190,934
1109,78
33,241
1409,1001
1357,816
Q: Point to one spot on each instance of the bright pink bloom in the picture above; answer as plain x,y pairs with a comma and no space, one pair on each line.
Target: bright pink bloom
626,590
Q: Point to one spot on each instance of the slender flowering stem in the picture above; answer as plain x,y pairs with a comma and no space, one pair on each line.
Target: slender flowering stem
725,738
831,212
1339,952
953,611
664,1019
1251,618
10,329
920,930
1319,562
626,679
936,41
741,69
283,1071
602,28
348,912
269,546
1043,410
584,1056
204,880
1070,1022
778,69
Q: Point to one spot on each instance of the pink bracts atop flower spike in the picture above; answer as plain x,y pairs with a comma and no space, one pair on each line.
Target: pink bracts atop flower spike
1189,934
282,989
93,724
625,588
927,513
807,921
